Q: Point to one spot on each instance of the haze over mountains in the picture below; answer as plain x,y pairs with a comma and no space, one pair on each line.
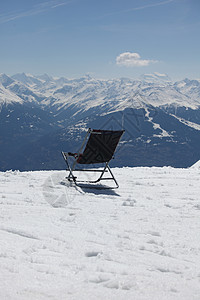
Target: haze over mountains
42,115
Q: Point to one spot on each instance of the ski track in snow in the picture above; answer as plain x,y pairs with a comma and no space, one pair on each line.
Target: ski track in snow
140,241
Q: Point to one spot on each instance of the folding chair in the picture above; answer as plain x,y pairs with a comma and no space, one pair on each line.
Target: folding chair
99,149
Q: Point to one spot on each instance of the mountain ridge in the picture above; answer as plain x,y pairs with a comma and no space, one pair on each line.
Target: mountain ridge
63,91
45,115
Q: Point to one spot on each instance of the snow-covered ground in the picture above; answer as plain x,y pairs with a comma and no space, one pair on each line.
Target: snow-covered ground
141,241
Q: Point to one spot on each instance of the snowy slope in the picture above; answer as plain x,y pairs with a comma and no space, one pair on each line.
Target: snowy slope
104,96
196,165
8,97
120,94
17,92
139,242
189,87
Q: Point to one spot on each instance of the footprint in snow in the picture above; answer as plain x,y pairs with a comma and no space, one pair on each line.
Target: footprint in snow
93,253
129,202
154,233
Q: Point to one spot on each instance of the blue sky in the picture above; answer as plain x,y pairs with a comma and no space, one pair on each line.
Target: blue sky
106,39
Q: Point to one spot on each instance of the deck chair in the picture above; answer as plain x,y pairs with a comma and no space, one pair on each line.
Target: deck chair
100,146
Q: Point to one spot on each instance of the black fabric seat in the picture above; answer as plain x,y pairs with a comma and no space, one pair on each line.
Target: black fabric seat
100,147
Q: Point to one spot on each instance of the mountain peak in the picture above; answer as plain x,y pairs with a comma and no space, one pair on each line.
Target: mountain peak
45,77
26,79
5,80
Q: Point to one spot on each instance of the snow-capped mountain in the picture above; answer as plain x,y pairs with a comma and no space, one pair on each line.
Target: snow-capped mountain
41,115
191,88
153,89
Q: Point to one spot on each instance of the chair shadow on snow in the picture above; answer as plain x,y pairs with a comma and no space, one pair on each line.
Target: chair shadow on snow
99,190
87,188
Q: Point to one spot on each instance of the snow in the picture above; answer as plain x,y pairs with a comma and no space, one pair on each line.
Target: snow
186,122
140,241
118,94
105,95
196,165
8,97
163,133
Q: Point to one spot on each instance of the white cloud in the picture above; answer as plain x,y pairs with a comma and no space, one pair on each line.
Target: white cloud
131,59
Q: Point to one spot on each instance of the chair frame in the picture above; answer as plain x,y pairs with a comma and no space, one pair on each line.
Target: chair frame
72,168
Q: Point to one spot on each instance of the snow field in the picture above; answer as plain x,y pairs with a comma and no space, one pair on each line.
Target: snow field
140,241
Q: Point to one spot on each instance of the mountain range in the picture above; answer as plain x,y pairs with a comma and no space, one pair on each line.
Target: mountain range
41,115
